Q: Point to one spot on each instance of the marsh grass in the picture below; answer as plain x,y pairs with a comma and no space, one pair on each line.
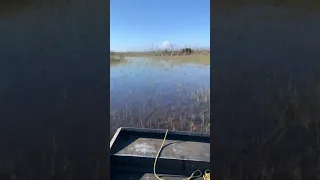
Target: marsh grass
197,54
174,60
202,59
51,164
183,108
182,115
116,57
285,144
266,117
28,156
179,52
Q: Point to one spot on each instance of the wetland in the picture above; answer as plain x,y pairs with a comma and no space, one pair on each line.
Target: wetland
159,92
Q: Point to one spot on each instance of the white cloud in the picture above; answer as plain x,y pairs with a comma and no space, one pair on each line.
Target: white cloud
166,45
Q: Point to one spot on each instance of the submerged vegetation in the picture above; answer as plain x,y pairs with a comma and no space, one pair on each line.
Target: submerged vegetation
188,111
180,116
181,108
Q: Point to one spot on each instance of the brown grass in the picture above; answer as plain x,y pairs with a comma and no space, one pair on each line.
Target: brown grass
197,58
193,117
291,135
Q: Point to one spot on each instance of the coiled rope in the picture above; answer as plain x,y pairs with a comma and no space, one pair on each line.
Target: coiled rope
206,175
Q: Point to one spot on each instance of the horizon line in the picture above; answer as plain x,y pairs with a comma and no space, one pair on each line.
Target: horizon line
150,49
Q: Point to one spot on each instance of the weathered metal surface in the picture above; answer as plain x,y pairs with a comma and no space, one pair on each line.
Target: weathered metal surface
176,149
133,152
146,176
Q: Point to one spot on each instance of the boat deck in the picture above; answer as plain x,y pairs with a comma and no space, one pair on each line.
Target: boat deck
133,152
146,176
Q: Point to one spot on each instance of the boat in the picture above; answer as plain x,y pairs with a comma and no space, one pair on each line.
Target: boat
158,154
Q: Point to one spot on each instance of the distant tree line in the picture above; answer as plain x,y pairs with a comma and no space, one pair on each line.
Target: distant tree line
186,51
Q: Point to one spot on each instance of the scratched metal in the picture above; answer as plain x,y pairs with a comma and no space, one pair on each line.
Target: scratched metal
187,150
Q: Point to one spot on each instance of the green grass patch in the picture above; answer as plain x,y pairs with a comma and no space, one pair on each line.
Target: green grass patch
197,58
116,58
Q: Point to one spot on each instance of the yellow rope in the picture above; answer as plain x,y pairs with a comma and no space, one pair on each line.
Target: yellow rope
206,175
155,161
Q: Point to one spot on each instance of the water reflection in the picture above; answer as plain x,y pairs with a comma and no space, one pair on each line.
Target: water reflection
156,93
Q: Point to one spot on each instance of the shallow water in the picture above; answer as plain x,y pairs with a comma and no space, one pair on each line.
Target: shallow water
143,90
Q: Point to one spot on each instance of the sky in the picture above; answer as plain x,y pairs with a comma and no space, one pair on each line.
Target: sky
138,25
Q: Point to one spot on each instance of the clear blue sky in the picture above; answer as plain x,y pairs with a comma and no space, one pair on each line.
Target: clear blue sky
138,24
